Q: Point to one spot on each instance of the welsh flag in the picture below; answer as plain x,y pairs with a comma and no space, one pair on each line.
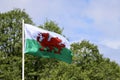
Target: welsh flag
47,44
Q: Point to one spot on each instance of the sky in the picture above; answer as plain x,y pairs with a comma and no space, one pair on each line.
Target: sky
95,20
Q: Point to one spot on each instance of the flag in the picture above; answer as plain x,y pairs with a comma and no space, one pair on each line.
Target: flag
47,44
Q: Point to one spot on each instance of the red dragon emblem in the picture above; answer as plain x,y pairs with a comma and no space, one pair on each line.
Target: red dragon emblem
50,43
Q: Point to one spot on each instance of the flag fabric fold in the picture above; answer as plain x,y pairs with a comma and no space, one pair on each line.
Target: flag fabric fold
47,44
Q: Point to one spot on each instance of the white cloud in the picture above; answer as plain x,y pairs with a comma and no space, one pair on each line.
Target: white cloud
105,14
114,44
7,5
109,52
102,10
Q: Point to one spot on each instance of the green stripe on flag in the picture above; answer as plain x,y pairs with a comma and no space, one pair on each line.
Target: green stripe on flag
33,47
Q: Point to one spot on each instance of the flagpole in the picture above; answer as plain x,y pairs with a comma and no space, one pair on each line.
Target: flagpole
23,49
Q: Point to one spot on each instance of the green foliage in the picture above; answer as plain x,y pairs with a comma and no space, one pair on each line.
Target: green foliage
92,64
11,43
86,52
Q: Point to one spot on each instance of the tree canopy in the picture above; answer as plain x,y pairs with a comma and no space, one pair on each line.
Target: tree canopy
11,43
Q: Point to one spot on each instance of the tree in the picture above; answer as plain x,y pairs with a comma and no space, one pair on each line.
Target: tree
86,52
11,43
92,64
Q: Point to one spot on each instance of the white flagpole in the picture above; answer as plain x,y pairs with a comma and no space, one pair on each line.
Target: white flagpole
23,49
